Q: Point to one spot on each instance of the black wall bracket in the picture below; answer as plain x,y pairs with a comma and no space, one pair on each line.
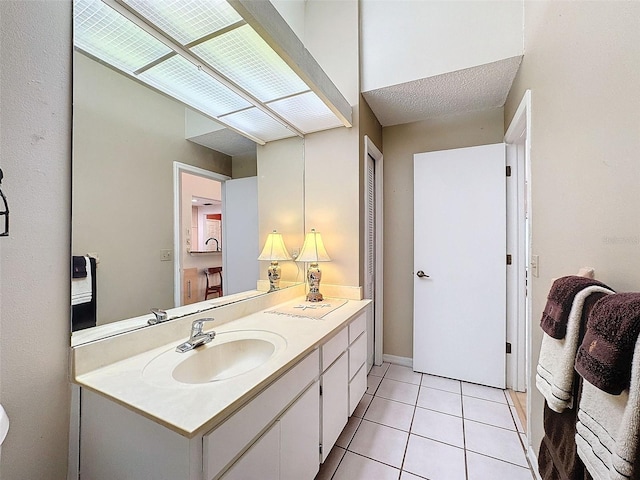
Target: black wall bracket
4,210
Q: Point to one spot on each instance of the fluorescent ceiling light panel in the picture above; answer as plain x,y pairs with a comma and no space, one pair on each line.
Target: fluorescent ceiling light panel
105,34
259,124
306,112
187,20
184,81
245,58
203,54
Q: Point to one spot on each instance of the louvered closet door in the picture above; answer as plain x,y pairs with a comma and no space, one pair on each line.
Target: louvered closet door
370,254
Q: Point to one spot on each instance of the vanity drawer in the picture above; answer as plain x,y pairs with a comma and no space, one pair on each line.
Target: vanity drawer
357,354
357,326
227,441
334,348
357,387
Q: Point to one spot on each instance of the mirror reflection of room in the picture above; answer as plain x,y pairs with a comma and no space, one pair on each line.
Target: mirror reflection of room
201,245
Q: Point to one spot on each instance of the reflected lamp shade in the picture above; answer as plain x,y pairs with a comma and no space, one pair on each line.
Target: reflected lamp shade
274,250
313,251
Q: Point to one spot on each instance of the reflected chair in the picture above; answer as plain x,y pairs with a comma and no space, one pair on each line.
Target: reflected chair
212,287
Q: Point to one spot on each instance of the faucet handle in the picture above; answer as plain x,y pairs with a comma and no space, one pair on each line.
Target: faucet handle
161,316
196,325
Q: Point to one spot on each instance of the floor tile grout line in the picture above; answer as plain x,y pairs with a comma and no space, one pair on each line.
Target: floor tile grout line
413,416
369,458
464,436
499,459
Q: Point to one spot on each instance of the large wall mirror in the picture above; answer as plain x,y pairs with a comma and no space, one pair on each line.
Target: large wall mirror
162,194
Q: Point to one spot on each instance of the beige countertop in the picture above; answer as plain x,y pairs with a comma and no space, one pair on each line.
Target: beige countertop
191,409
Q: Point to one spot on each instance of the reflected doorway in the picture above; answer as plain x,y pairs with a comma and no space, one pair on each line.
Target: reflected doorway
198,230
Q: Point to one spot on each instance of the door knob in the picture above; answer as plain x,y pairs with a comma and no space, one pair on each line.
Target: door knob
421,274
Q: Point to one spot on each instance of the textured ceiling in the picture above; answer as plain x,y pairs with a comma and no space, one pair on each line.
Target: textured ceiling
473,89
225,141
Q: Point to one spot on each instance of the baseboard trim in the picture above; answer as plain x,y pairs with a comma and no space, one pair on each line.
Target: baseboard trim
404,361
533,459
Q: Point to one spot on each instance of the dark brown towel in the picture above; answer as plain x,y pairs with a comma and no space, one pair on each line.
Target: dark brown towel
78,267
556,313
604,357
558,457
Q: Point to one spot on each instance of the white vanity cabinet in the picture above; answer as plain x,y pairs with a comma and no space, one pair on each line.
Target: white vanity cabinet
357,360
283,430
288,450
343,380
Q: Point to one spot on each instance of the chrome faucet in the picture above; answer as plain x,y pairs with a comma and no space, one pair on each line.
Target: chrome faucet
161,316
198,337
215,240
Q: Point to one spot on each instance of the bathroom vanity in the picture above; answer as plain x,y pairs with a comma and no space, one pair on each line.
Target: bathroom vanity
274,412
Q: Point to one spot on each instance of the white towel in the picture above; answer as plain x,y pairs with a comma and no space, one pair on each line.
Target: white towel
607,428
4,424
81,291
554,374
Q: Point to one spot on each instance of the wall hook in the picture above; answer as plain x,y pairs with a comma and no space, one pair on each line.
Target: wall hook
5,210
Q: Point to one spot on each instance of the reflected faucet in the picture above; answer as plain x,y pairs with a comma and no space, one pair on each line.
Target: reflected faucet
197,337
161,316
215,240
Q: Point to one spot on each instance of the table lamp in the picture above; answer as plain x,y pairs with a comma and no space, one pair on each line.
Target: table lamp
273,251
313,251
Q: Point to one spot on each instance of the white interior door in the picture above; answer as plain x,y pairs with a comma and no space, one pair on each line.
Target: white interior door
460,246
240,245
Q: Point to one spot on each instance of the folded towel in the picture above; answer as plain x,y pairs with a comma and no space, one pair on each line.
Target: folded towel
604,357
559,301
81,290
554,374
78,267
608,428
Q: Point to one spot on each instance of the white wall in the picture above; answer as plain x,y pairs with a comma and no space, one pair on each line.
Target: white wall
405,40
332,163
126,138
281,200
35,127
582,65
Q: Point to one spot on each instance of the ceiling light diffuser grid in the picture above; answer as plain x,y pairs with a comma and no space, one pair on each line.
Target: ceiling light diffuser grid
246,59
182,80
187,20
306,112
259,124
105,34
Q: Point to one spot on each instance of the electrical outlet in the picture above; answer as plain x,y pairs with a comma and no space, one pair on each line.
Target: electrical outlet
166,255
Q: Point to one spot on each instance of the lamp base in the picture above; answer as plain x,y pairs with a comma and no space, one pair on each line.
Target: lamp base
314,275
274,276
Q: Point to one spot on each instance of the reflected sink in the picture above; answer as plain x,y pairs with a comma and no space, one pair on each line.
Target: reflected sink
227,356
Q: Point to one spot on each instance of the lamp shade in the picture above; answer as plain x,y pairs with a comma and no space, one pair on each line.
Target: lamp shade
274,248
313,249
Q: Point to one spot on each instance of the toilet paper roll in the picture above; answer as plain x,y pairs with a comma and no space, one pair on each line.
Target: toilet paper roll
4,424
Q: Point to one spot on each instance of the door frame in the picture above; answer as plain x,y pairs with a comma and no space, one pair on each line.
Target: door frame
178,169
370,150
518,140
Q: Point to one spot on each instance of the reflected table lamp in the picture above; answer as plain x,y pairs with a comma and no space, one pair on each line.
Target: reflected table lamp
313,251
273,251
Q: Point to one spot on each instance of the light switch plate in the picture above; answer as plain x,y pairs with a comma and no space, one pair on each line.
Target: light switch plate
166,255
535,265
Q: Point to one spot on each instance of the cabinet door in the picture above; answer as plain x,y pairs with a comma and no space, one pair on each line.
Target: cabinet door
300,437
335,403
261,461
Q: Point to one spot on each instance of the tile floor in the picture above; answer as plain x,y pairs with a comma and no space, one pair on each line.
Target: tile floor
411,426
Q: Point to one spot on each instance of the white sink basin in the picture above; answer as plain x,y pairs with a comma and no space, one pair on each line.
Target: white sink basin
227,356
